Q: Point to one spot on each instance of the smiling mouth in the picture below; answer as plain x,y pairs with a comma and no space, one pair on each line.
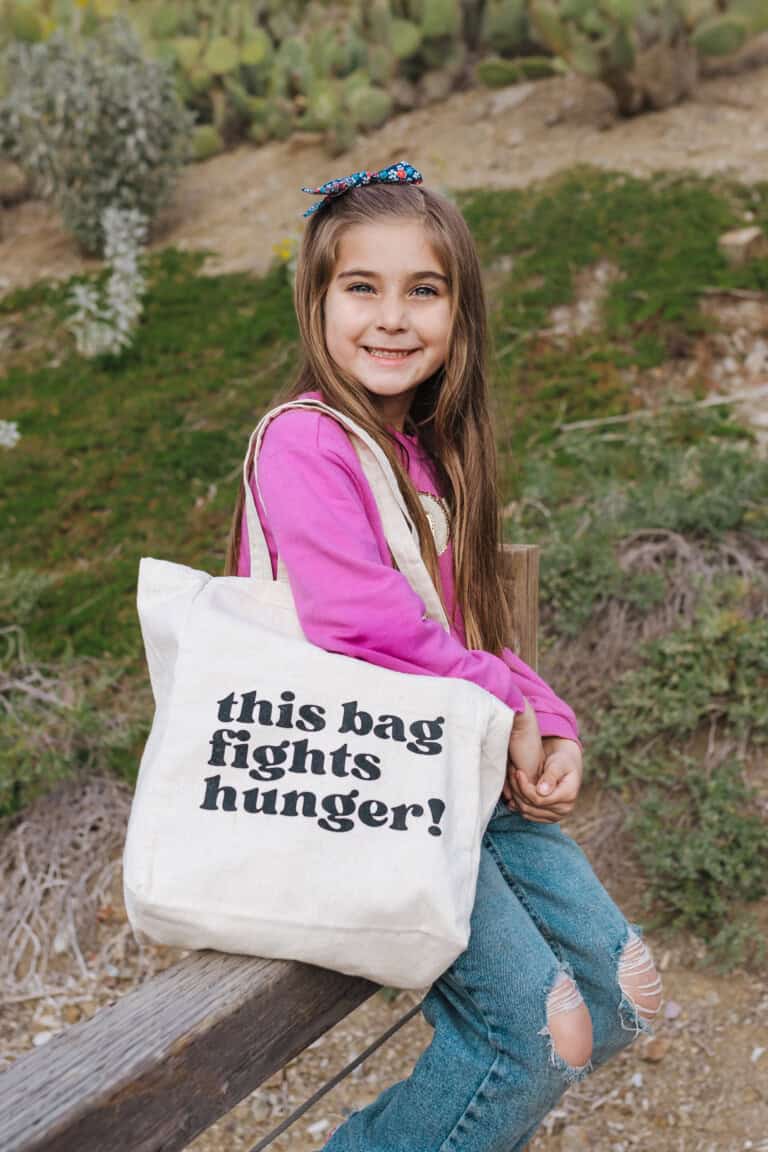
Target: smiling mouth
390,353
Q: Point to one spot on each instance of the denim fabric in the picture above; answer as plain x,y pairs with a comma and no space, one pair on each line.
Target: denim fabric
491,1072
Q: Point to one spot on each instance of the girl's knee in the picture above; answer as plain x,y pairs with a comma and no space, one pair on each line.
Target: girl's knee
569,1024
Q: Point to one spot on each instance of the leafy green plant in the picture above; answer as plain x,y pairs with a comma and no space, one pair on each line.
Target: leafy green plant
716,671
698,829
706,491
20,592
544,236
580,572
690,473
738,942
702,844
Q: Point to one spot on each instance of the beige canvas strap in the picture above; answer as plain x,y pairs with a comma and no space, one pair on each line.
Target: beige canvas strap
400,531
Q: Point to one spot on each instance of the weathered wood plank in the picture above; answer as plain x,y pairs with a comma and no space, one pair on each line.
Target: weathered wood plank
157,1067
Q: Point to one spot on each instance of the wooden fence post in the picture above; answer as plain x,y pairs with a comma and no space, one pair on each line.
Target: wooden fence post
522,563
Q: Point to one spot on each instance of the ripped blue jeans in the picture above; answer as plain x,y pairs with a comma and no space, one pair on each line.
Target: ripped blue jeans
492,1070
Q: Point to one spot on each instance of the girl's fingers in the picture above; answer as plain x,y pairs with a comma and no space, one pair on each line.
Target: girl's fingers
527,790
521,794
554,770
548,814
539,817
565,791
537,808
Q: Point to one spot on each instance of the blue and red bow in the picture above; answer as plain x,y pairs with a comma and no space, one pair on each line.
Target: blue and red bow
399,173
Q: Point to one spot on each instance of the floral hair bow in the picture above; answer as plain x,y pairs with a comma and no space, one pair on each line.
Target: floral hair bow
399,173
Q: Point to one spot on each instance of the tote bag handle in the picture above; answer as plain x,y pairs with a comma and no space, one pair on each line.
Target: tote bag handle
399,529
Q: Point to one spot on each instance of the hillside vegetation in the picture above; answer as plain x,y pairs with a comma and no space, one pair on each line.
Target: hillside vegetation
654,531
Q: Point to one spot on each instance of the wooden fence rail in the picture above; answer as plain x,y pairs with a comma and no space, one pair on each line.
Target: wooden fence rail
151,1071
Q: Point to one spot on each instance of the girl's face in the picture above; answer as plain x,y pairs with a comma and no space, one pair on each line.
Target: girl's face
388,292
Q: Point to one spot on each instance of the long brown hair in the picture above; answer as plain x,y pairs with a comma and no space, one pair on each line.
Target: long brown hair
450,410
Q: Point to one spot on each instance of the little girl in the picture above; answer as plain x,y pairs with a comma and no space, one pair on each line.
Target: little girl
554,981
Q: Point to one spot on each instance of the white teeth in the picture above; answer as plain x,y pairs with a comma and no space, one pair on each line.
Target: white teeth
388,355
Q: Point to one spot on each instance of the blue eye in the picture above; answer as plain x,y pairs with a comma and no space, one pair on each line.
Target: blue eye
429,289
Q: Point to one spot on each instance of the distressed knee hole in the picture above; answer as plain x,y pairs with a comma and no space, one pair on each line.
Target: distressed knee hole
638,978
569,1022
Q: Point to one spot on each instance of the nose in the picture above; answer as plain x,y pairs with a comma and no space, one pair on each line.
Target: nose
392,313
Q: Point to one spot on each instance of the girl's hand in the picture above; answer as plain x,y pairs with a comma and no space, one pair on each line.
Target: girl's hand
526,750
552,794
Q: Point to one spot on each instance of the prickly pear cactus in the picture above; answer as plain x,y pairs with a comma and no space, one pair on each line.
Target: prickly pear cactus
341,136
646,51
206,142
222,56
382,64
505,28
720,37
441,18
268,67
26,25
404,38
256,49
368,107
496,72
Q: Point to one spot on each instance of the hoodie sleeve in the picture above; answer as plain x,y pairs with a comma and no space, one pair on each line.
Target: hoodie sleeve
349,598
555,717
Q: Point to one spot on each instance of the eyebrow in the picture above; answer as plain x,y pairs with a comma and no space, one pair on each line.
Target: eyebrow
427,274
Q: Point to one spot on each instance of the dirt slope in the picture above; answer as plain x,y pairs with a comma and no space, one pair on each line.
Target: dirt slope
238,205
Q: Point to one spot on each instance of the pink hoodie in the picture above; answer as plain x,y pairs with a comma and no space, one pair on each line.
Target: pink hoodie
322,518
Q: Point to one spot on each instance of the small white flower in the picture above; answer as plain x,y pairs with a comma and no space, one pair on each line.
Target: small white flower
9,434
105,324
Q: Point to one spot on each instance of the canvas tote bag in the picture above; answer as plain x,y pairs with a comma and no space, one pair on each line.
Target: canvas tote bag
296,803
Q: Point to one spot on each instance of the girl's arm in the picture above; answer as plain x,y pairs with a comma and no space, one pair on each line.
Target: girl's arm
555,717
349,598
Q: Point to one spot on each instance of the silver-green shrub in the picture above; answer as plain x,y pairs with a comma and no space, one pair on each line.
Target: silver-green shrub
105,320
95,125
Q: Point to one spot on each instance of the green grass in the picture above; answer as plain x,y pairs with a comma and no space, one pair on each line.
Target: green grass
115,454
140,455
660,233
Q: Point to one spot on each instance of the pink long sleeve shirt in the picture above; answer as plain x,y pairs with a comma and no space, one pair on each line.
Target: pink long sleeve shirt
320,515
